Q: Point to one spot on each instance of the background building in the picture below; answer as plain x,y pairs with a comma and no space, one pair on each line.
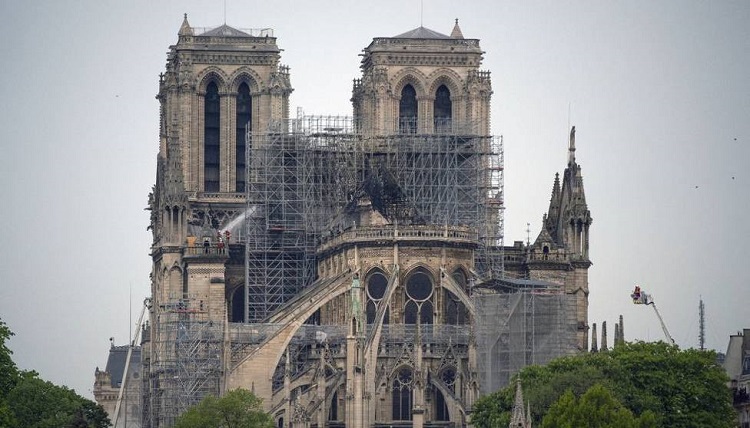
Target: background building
350,271
737,364
107,385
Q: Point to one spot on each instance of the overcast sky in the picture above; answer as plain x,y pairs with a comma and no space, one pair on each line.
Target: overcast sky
659,93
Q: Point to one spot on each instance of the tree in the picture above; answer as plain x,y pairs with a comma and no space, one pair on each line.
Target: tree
40,404
9,374
597,408
28,401
239,408
670,387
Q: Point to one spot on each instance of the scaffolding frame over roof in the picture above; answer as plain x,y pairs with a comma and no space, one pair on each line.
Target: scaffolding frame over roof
306,175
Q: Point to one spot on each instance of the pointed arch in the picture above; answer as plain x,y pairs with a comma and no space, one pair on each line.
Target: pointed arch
408,110
402,386
212,74
447,77
243,126
211,137
246,75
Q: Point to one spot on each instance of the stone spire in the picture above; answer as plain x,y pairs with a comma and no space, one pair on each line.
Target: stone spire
185,28
604,336
594,346
518,418
456,33
622,330
553,213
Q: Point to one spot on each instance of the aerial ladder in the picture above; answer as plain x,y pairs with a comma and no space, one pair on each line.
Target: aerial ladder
115,417
641,298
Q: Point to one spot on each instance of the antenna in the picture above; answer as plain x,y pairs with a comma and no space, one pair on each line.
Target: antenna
421,13
130,314
528,234
702,325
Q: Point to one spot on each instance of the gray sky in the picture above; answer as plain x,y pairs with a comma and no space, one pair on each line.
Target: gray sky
659,93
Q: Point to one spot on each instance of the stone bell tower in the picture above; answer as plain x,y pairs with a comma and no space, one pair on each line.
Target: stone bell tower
220,86
423,81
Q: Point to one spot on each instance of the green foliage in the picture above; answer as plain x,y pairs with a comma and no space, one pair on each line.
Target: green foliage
30,402
239,408
597,408
660,384
36,403
8,371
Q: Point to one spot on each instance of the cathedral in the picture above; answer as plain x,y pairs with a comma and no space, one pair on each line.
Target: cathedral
350,271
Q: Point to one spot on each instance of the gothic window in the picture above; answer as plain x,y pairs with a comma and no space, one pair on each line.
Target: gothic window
410,312
455,310
211,139
333,411
371,311
443,109
407,110
402,395
441,409
377,283
419,285
418,292
244,122
425,313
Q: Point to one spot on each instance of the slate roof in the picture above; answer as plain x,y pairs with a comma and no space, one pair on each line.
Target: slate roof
421,33
116,362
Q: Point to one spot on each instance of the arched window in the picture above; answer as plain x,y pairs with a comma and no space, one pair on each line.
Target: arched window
448,377
333,411
377,283
402,400
244,123
455,311
425,313
419,290
443,109
407,110
211,139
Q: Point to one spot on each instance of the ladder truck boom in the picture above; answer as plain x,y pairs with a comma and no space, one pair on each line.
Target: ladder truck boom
641,298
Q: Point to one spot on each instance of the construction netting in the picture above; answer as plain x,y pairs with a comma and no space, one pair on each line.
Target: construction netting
521,328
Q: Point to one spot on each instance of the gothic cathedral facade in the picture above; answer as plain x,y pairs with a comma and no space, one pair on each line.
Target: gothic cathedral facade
349,272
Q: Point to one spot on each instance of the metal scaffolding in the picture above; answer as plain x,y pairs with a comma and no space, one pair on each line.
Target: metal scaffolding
306,175
186,362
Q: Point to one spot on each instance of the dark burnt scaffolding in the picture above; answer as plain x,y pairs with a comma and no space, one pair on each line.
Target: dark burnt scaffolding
307,175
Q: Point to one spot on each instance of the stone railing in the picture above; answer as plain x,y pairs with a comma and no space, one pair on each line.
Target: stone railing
393,234
393,41
217,196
